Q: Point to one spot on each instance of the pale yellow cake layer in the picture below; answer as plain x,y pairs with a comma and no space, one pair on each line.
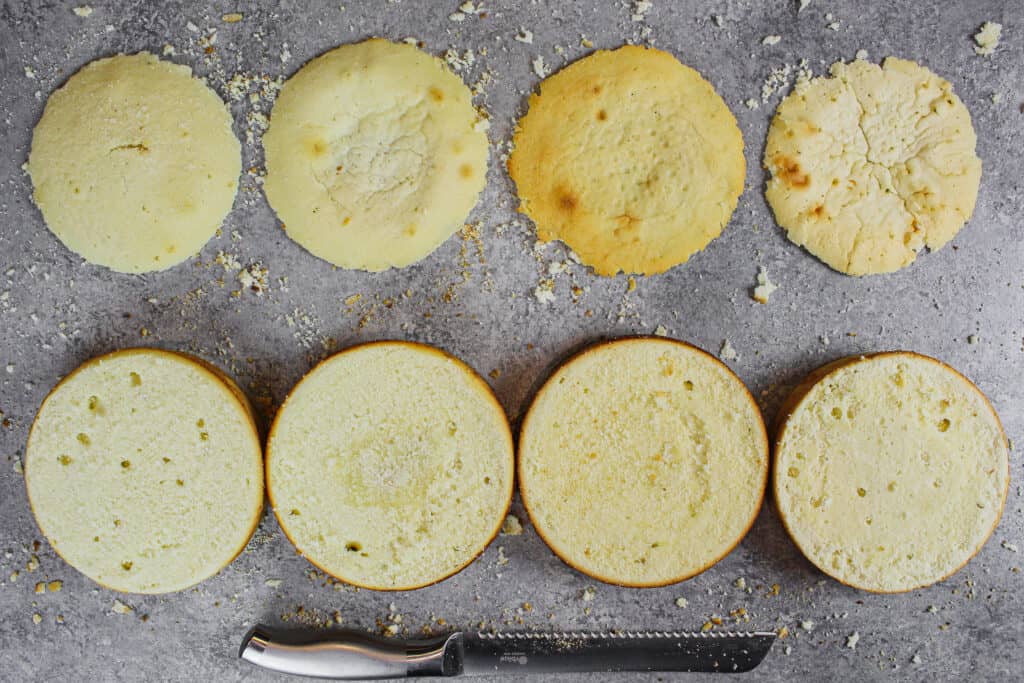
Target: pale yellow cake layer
144,471
643,461
630,158
872,164
134,163
375,155
390,465
891,471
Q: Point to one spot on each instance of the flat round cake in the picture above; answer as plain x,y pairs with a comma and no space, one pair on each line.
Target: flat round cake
144,470
375,155
390,465
630,158
891,470
134,163
643,461
871,165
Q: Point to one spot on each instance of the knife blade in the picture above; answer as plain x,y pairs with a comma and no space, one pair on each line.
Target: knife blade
351,655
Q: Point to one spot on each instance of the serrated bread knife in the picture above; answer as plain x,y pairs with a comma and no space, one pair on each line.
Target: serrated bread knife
352,655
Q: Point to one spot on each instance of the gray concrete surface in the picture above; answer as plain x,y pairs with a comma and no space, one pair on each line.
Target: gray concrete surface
55,312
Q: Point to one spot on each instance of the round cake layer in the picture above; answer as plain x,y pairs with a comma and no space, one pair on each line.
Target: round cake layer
630,158
872,165
134,163
375,155
144,470
891,470
390,465
643,461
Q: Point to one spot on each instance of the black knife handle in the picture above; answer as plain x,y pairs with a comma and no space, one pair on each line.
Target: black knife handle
350,655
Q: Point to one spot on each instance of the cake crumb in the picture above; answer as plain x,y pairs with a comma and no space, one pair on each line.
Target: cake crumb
37,618
861,54
682,602
852,640
83,11
1010,546
588,594
539,67
916,659
803,5
660,331
55,586
511,526
740,583
544,292
987,38
764,287
727,352
121,608
771,40
524,36
972,339
807,625
640,10
273,583
231,17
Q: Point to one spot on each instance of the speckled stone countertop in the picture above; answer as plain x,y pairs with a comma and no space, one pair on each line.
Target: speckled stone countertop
475,298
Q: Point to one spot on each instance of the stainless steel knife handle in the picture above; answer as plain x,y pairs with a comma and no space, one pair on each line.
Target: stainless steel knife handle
351,654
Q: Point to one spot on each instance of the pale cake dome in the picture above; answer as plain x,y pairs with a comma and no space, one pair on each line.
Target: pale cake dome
891,470
144,470
375,155
390,465
643,461
134,163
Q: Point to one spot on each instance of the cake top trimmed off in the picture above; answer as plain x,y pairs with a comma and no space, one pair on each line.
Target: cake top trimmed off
891,470
134,163
643,461
630,158
144,470
871,165
390,465
375,155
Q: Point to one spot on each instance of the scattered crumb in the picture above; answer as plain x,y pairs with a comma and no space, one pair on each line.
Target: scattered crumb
54,586
524,36
751,103
916,659
987,38
764,287
37,618
545,291
40,587
511,526
803,4
83,10
852,640
1010,546
807,625
660,331
972,339
121,608
588,594
640,10
273,583
682,602
231,17
771,40
539,67
788,650
727,352
740,583
861,54
254,278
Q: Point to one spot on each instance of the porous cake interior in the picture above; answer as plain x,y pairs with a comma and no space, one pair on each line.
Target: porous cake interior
891,472
145,472
391,466
643,462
